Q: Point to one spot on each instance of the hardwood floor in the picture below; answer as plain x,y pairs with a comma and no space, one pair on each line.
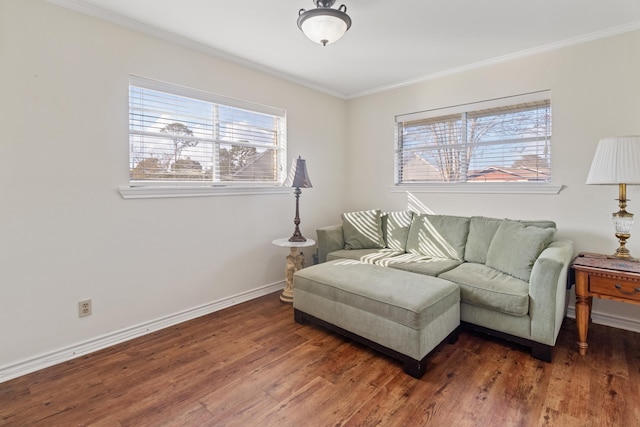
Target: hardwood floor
251,365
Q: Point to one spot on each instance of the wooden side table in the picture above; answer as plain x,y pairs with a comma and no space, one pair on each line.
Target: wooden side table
295,261
602,277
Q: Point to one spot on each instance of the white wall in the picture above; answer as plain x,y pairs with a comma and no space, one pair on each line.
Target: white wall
595,89
67,234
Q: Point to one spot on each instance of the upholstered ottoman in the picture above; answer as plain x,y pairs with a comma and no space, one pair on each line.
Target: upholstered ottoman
404,315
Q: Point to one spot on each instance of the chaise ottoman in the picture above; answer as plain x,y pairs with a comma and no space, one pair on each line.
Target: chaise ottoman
401,314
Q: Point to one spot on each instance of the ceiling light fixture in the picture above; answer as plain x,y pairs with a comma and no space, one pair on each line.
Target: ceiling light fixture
324,25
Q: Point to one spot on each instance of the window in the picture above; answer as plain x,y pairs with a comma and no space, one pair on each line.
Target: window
506,140
181,136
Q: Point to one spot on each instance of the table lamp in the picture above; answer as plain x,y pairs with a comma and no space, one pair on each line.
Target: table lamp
298,178
617,162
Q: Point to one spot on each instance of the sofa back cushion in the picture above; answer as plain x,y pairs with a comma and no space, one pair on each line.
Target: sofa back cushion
516,246
395,229
362,230
438,236
481,232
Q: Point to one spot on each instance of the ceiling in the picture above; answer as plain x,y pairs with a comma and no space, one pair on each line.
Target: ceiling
390,43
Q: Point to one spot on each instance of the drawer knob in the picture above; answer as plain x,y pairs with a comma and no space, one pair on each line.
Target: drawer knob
619,287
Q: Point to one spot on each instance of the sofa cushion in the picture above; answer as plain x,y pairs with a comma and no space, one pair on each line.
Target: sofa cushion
419,264
481,232
438,236
395,229
362,230
412,300
489,288
369,256
516,246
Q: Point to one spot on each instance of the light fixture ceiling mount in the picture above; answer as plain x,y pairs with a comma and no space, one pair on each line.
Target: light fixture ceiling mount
323,24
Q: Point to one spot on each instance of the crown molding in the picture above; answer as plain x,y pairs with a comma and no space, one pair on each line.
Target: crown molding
87,9
610,32
135,25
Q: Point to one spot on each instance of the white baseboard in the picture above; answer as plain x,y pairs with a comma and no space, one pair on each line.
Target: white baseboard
609,320
46,360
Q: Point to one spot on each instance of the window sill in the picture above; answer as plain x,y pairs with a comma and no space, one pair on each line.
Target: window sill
152,192
480,188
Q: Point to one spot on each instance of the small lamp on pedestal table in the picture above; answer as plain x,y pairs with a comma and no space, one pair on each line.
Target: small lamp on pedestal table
298,178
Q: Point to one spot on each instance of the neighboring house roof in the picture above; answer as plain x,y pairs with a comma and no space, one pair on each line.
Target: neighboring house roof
494,173
260,167
417,168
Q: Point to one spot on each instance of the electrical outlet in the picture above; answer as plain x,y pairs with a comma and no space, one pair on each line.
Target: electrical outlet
84,308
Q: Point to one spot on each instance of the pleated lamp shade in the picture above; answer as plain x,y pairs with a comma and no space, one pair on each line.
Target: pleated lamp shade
616,161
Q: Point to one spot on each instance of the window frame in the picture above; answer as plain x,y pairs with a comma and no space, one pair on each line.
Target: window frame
517,187
177,188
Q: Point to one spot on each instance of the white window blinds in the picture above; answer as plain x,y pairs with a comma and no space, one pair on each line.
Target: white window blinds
180,135
506,140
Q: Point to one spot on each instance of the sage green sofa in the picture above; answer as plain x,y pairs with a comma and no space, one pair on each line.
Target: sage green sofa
512,274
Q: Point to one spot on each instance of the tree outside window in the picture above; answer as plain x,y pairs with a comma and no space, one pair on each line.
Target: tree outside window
178,138
498,144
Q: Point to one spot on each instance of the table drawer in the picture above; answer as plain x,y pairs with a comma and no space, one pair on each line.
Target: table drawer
615,287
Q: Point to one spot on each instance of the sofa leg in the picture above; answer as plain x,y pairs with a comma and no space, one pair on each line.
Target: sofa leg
542,352
453,336
415,368
298,316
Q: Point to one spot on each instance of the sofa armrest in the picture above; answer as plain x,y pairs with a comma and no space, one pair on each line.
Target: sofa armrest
329,239
548,291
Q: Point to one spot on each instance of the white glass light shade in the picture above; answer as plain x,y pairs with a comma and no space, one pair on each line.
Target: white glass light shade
616,161
324,25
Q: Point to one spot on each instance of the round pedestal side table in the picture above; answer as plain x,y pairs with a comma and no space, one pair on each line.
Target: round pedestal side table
295,261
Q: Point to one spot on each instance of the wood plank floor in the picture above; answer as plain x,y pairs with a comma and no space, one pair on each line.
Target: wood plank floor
251,365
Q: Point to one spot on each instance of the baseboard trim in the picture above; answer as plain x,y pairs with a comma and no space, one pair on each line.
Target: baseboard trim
609,320
46,360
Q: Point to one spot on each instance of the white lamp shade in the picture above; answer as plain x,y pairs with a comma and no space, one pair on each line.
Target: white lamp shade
616,161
